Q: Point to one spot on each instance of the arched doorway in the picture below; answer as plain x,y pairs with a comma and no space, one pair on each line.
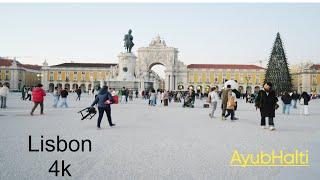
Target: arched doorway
249,89
207,88
67,86
7,84
216,86
199,89
159,79
83,87
59,85
180,87
74,86
190,87
51,87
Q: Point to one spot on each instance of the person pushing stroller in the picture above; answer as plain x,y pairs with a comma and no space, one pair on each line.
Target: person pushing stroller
189,99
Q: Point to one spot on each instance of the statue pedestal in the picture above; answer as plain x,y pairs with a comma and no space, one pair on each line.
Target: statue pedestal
127,64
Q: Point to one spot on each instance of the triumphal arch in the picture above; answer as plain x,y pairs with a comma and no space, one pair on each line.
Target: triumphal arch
159,53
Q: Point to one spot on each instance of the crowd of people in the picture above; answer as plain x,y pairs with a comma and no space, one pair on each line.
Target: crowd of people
266,100
290,100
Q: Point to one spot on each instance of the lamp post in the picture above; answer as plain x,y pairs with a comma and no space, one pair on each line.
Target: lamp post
247,80
39,77
92,83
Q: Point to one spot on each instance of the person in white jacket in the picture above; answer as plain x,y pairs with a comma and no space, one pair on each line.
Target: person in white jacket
4,91
213,99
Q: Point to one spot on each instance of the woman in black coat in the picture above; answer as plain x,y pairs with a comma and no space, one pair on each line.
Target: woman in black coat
266,101
305,98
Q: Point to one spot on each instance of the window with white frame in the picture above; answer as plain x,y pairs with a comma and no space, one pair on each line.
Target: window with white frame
75,76
51,76
83,76
67,76
59,76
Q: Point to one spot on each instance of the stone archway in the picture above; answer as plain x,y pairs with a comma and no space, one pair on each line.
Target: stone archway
159,53
180,87
74,86
59,85
153,75
199,89
51,87
249,89
83,87
67,85
7,84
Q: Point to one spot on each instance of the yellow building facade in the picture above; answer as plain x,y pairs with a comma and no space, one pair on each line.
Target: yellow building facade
17,75
306,77
203,76
76,75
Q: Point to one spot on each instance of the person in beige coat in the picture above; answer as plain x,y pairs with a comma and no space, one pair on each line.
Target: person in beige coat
4,91
231,103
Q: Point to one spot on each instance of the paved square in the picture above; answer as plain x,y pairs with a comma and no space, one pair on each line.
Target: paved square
154,142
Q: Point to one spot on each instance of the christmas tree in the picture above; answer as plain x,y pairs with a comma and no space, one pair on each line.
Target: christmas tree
277,69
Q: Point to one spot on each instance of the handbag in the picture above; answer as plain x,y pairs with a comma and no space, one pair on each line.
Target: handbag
276,106
108,101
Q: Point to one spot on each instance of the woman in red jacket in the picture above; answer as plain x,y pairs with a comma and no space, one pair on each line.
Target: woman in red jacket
37,97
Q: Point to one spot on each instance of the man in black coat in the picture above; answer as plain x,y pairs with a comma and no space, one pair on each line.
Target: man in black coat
295,96
305,98
267,102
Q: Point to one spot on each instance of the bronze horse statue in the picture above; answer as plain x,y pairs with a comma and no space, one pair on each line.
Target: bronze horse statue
128,44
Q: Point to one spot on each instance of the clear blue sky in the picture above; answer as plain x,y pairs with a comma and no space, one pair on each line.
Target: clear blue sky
203,33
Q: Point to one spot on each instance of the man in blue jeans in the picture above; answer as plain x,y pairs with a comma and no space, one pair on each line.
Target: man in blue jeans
64,94
286,99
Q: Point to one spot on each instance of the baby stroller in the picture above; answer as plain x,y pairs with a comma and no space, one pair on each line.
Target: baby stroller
188,102
88,113
251,98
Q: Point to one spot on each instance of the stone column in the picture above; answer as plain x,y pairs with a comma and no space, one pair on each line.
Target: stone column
168,84
172,82
87,86
305,81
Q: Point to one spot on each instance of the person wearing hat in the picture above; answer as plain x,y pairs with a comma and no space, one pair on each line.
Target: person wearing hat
267,103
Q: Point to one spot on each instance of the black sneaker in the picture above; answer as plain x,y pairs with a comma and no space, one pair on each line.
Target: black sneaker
234,119
113,125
